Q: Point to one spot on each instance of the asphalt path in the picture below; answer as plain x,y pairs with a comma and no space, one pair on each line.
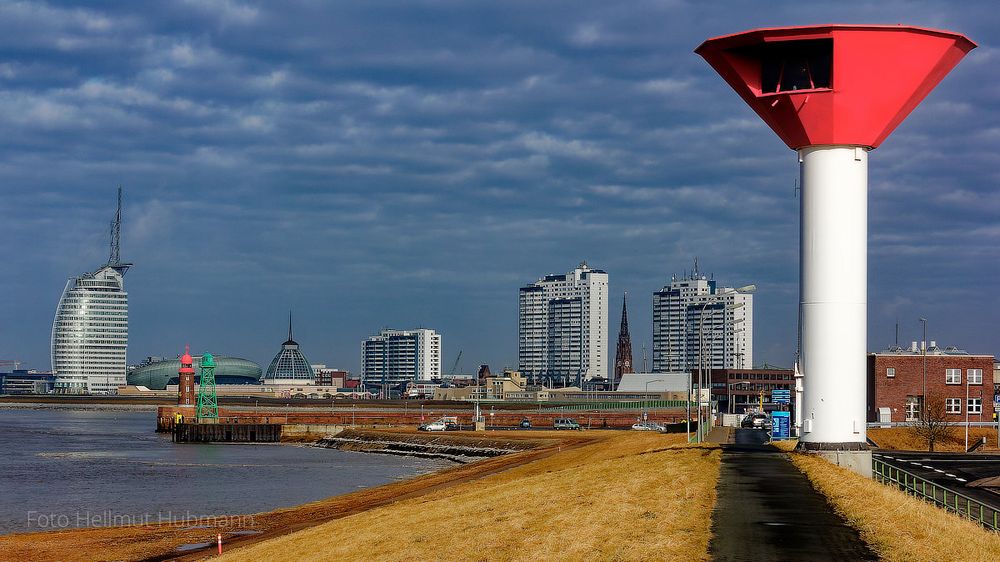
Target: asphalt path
768,510
950,470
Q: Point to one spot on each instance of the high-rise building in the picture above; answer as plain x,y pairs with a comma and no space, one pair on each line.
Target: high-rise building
563,327
693,317
90,328
396,356
623,355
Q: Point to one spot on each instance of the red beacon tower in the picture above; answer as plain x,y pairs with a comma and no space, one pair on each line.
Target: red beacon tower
833,93
185,380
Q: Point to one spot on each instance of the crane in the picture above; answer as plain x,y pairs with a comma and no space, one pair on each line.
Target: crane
455,366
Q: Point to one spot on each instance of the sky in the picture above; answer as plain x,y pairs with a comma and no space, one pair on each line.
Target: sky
412,164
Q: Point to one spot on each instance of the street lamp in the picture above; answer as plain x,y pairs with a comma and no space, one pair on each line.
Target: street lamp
701,344
923,391
645,397
731,386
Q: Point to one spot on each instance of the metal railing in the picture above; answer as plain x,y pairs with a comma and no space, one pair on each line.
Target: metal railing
612,406
986,515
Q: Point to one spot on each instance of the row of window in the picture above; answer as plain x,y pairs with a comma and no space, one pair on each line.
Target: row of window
954,405
951,376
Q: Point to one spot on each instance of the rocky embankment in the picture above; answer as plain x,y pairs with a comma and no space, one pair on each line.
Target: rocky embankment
456,448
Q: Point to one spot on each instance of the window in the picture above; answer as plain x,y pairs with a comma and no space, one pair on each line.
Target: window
975,376
953,405
890,372
975,405
953,376
796,65
913,408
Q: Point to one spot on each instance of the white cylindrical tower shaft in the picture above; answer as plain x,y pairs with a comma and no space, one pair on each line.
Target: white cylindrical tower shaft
834,295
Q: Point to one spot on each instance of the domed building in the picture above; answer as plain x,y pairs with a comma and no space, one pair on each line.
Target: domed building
289,366
156,374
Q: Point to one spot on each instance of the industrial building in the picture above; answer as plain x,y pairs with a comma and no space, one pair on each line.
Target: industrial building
394,357
24,381
899,379
694,318
90,328
563,328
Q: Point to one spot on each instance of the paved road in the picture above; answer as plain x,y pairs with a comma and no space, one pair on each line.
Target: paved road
951,470
768,510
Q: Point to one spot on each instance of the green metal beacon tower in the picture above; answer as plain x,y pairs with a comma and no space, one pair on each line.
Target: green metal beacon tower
208,402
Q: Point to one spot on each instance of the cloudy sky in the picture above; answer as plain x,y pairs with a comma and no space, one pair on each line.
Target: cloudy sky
404,164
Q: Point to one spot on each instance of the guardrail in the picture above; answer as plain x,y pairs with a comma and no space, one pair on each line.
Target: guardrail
877,425
612,406
986,515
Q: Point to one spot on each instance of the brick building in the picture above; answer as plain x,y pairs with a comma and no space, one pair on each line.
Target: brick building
896,381
744,388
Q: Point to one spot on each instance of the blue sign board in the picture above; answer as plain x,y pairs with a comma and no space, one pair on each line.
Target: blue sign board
780,422
779,396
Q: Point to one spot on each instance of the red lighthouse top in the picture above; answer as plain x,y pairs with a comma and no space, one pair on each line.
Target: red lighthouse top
835,84
186,362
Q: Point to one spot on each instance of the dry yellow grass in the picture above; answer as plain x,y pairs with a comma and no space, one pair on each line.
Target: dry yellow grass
897,526
785,444
903,439
630,497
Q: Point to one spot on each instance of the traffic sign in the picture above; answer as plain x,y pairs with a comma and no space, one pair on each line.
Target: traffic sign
780,422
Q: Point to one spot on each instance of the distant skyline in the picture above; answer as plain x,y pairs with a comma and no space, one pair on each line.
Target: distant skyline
405,165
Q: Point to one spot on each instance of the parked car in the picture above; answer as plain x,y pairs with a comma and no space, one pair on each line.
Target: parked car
525,424
565,423
433,426
756,420
647,426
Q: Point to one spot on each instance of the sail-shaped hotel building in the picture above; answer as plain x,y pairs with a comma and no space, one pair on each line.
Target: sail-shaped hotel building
90,329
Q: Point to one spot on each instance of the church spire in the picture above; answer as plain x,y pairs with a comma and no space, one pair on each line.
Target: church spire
623,355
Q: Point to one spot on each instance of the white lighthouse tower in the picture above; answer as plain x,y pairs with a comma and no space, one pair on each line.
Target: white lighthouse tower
833,93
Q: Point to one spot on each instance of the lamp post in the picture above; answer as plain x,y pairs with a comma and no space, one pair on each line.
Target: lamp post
731,386
966,410
645,397
923,390
701,344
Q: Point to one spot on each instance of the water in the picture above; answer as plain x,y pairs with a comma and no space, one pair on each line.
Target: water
72,468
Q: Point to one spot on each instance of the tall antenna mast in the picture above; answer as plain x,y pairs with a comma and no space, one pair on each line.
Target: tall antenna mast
116,233
115,259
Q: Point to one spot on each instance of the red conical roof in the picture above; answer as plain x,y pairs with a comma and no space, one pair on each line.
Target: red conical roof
186,362
835,84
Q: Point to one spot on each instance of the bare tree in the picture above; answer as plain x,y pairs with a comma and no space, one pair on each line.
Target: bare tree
933,424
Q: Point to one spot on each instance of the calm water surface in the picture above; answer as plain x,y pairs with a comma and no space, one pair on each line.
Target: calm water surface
70,468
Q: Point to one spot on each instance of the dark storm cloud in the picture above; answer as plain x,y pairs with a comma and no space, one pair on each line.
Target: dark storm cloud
379,163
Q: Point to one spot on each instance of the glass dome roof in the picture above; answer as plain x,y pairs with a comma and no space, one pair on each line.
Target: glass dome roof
289,365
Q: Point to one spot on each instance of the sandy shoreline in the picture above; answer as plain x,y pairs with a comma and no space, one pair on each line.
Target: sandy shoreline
162,541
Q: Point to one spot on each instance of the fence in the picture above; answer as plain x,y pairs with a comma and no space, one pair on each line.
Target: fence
986,515
611,406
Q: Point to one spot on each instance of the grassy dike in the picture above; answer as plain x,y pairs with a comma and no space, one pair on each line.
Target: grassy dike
624,496
897,527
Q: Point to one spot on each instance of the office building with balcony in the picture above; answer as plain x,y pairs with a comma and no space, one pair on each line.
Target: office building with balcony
90,334
695,319
393,357
563,328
